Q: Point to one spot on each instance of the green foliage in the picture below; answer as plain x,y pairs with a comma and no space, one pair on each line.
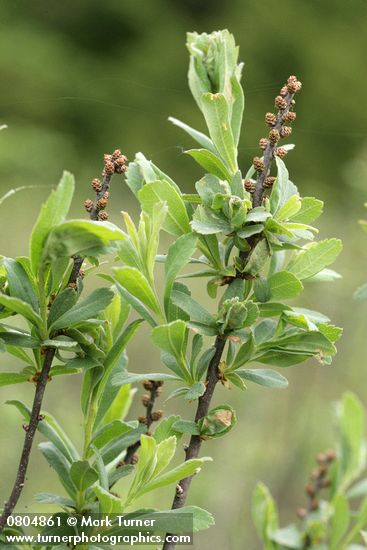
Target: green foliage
339,514
252,256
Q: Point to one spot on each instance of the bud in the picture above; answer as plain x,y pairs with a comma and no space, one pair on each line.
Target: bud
107,158
258,164
263,143
142,419
290,116
301,513
207,72
179,490
106,195
103,216
25,427
314,505
109,168
159,383
102,203
88,205
310,490
157,415
321,458
324,483
270,119
145,400
294,86
269,182
274,135
116,154
283,91
286,131
97,185
330,455
217,423
281,152
135,458
280,102
81,273
250,186
148,384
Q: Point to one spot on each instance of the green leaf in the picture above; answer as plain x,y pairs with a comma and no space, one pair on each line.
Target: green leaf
206,222
339,521
53,212
289,209
288,537
23,308
352,451
217,423
195,391
134,282
172,338
216,113
283,285
179,254
51,430
278,192
264,377
109,503
15,338
244,354
83,237
186,469
165,452
165,428
89,308
265,515
258,257
315,257
186,427
310,210
210,162
62,304
20,286
201,138
82,475
361,293
9,378
110,431
177,221
60,464
194,310
123,378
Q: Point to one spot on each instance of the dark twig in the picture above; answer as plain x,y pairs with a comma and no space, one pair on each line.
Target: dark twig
113,163
30,429
154,388
284,102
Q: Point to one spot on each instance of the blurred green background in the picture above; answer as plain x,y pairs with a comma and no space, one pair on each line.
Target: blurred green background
81,78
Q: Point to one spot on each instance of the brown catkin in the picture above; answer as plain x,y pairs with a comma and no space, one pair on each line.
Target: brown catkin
263,143
281,152
280,102
274,135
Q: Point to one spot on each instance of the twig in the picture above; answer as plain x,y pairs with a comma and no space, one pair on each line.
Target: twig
154,389
31,429
285,102
113,163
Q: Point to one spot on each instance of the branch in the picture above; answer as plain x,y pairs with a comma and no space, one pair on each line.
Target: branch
284,102
154,388
31,429
113,163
